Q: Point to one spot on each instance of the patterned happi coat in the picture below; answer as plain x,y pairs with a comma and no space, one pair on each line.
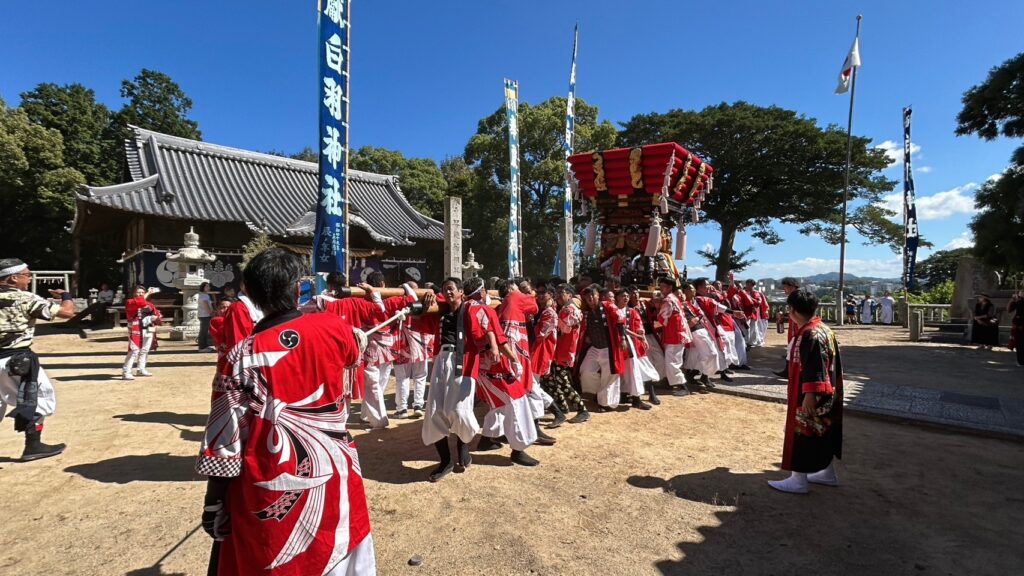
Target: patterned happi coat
813,438
382,345
277,427
542,353
514,309
133,313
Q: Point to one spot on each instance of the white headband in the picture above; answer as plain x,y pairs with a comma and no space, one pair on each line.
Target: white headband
475,292
13,270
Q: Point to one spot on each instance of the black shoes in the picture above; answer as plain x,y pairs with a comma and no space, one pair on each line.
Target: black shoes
652,396
636,402
486,444
580,417
558,421
781,373
441,471
543,439
524,459
36,450
725,378
603,409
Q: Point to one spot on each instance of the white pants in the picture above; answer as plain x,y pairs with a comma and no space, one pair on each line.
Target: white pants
46,398
513,419
596,377
539,399
727,356
638,371
141,354
449,402
741,346
375,379
674,364
359,562
703,354
657,355
415,373
762,331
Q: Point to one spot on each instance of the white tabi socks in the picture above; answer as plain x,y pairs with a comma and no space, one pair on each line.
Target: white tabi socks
826,477
795,484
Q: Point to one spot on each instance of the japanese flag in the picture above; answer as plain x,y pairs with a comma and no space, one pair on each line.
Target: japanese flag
852,60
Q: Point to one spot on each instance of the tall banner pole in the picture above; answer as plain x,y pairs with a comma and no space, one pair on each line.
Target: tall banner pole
514,239
854,64
330,243
910,228
565,251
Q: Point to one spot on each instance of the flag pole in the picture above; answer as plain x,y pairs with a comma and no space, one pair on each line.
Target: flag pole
840,300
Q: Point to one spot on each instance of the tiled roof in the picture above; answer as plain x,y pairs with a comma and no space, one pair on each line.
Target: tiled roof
186,179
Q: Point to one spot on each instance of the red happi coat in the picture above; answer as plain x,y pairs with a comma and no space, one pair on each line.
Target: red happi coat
709,311
814,366
675,328
132,312
569,319
616,355
544,343
747,304
382,345
277,428
514,309
359,313
415,340
497,379
635,323
239,322
762,302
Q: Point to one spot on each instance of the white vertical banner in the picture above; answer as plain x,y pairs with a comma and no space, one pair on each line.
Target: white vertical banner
512,112
564,259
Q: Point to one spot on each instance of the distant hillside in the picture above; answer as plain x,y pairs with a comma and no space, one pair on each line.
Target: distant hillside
850,278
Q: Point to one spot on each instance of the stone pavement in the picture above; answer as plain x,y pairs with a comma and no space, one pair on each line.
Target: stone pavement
940,395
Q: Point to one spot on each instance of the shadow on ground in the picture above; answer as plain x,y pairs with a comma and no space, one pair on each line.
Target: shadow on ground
138,468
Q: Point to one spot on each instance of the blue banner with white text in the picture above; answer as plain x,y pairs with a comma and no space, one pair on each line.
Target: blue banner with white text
909,206
330,244
512,112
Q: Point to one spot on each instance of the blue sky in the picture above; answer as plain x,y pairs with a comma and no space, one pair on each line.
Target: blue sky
424,73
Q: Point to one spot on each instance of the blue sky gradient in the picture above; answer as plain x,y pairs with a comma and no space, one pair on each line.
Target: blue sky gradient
423,74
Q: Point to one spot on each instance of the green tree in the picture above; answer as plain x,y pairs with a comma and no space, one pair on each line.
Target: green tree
772,164
156,102
259,243
36,191
939,267
420,178
542,180
738,261
84,125
940,293
993,108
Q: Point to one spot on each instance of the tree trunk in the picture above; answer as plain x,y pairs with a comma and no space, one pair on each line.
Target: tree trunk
725,252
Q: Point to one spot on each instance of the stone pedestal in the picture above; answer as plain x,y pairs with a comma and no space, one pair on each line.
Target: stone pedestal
972,278
452,237
190,277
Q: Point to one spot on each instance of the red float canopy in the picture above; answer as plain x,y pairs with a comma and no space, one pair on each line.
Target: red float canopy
641,176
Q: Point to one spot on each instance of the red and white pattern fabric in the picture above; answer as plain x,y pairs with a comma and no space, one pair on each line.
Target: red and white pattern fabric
674,327
570,317
542,353
277,427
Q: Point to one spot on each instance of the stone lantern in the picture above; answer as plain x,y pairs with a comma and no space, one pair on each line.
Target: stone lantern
471,268
190,259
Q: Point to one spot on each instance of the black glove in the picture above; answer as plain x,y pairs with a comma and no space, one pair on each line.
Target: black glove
216,521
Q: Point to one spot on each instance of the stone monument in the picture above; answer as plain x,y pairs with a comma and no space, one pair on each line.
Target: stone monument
972,277
471,268
452,236
189,258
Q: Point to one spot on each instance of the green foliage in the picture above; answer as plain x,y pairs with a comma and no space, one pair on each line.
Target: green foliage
419,178
738,261
771,164
156,102
993,108
939,267
259,243
542,179
941,293
84,124
36,191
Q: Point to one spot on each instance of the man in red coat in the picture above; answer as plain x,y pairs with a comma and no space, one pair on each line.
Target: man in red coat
284,492
602,347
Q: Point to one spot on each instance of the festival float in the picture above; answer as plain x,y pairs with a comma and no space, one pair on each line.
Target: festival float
636,196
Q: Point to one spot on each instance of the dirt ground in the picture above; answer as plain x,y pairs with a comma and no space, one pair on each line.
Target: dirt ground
677,490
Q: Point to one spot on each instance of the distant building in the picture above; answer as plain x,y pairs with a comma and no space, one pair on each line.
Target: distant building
230,195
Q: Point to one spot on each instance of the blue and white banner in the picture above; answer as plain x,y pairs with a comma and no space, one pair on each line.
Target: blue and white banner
909,206
330,244
512,111
570,127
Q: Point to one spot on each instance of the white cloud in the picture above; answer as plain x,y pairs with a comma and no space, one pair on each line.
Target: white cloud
964,240
994,177
880,268
707,247
895,151
938,206
924,169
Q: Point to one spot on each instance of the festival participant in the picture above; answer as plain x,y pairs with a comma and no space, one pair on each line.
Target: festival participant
605,345
217,323
143,318
887,304
638,374
675,335
1016,306
239,321
379,357
415,345
655,349
284,493
503,383
23,382
701,359
789,285
466,334
764,310
721,328
558,381
814,434
751,301
742,326
542,351
867,309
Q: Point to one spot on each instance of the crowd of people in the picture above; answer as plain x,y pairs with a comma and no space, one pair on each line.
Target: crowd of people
865,309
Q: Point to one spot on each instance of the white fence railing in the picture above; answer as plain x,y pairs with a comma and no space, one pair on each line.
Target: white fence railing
932,313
